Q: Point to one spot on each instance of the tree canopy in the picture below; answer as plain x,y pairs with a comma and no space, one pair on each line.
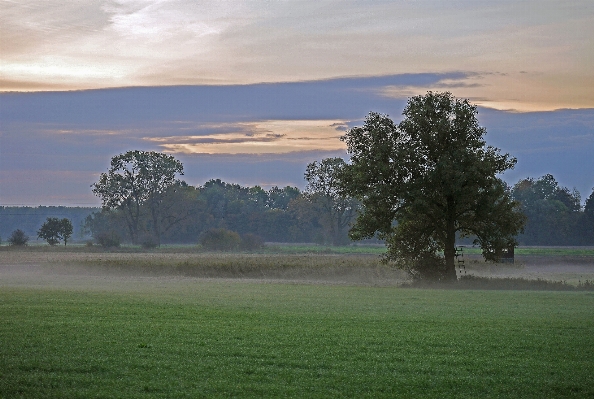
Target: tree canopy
426,181
54,230
18,238
553,212
134,179
335,210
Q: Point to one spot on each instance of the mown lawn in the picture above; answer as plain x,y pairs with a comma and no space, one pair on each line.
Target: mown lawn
236,339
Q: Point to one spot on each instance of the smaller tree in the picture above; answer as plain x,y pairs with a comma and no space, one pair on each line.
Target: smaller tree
136,183
335,209
54,230
66,229
18,238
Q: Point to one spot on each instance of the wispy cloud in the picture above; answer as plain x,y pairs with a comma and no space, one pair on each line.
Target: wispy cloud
261,137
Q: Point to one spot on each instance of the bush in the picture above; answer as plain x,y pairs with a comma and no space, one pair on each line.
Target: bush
251,242
108,240
220,240
18,238
149,243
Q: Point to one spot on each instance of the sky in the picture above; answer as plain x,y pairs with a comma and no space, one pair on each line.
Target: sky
251,91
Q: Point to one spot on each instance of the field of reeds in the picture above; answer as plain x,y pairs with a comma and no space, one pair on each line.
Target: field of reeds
304,267
298,263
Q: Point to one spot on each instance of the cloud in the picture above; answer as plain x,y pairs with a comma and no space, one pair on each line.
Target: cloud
543,52
261,137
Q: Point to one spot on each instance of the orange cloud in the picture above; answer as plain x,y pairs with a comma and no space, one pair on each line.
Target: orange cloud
262,137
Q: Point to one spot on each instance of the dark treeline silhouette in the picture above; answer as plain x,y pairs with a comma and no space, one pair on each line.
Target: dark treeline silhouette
555,215
279,215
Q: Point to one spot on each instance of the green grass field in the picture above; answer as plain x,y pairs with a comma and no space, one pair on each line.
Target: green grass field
220,338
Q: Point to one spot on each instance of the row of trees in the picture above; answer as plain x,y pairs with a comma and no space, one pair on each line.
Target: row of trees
140,210
554,213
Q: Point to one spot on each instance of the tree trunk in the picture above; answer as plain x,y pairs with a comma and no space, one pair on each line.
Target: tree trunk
449,251
156,222
450,260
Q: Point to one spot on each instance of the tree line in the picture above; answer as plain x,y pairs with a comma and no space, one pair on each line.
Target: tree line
554,213
182,213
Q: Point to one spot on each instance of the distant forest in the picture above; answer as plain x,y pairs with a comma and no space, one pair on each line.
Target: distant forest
555,215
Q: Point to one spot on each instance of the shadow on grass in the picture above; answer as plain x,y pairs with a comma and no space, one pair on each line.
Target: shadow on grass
507,283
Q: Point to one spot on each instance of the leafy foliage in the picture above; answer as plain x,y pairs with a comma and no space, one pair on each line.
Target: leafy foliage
54,230
588,219
18,238
135,179
554,212
335,209
29,219
279,214
428,179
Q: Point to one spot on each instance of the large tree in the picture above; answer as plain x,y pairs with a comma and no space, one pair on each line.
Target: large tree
427,181
136,183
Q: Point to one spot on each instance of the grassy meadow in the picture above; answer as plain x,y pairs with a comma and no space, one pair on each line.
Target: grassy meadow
85,324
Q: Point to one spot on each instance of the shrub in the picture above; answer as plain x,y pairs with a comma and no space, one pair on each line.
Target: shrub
251,242
149,243
220,240
18,238
108,240
89,243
